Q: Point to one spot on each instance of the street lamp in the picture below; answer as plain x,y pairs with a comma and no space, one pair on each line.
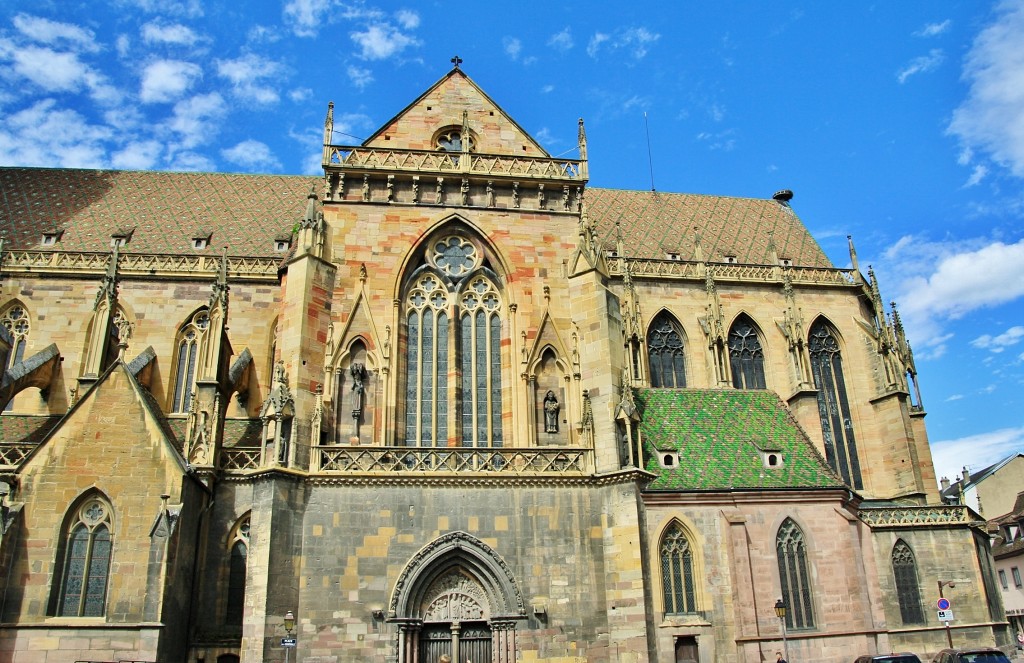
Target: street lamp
780,612
289,626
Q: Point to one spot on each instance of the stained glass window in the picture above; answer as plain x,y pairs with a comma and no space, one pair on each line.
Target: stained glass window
188,352
833,404
677,572
86,564
745,355
665,351
793,577
453,349
908,590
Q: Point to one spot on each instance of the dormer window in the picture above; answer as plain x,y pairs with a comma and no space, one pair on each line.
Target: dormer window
730,258
672,255
201,240
282,244
786,262
51,238
772,458
668,459
611,253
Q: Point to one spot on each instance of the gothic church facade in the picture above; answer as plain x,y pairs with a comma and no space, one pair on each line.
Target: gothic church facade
449,399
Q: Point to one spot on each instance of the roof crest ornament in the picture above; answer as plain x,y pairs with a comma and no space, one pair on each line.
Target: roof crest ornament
456,61
329,124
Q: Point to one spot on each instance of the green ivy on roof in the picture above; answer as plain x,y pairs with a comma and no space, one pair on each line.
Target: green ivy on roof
722,436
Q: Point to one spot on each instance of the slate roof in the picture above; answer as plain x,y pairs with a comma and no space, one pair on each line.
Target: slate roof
720,434
952,494
247,212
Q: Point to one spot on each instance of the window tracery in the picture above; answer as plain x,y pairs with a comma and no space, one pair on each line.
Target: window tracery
666,353
189,338
908,590
15,319
746,355
453,372
450,139
85,566
793,576
237,569
833,404
677,572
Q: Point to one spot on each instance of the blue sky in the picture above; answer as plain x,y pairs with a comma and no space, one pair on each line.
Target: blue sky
899,123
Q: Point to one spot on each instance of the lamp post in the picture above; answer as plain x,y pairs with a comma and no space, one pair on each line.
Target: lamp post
780,612
947,583
289,626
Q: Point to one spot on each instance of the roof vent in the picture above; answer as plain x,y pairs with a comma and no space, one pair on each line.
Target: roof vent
783,196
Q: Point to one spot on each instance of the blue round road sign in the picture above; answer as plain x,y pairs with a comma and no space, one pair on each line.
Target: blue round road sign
943,604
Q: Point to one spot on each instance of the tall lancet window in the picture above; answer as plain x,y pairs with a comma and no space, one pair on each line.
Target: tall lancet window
84,561
15,319
453,375
793,577
666,353
238,558
745,355
908,590
677,578
186,355
833,404
480,351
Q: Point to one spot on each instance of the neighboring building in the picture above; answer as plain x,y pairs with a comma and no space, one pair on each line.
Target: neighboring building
991,490
1008,551
449,399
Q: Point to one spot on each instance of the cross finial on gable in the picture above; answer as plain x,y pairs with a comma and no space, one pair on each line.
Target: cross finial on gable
456,61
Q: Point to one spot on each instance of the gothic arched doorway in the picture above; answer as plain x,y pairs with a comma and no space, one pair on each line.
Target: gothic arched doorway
456,597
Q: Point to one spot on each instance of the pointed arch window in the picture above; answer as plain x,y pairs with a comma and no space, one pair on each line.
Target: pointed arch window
453,372
85,560
187,354
665,351
238,557
746,355
15,320
677,580
833,404
793,576
908,589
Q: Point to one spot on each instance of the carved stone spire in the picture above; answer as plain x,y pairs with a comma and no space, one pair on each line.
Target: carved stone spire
581,139
853,256
329,124
108,286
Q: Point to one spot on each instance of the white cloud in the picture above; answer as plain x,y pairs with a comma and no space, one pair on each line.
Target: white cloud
306,16
595,43
547,89
1011,336
137,155
247,74
380,41
300,94
26,138
50,32
166,80
187,8
941,281
252,155
934,29
991,118
513,47
562,40
359,76
977,175
722,140
955,397
408,19
156,32
49,69
633,41
196,120
921,65
191,161
981,450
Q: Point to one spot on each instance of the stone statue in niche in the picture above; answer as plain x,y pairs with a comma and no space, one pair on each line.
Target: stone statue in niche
540,196
464,191
366,188
415,189
515,194
358,373
551,409
439,191
490,193
391,188
565,197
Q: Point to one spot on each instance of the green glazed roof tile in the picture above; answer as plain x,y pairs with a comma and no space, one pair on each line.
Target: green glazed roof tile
720,435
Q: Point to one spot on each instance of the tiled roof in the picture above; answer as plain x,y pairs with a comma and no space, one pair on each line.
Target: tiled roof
655,223
165,211
243,432
720,435
23,429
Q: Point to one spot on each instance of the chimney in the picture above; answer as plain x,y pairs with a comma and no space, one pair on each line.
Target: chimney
944,483
966,474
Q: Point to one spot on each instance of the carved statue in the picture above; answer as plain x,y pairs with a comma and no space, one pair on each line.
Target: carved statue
515,194
439,191
565,197
366,188
464,191
415,189
540,196
490,193
391,188
551,409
